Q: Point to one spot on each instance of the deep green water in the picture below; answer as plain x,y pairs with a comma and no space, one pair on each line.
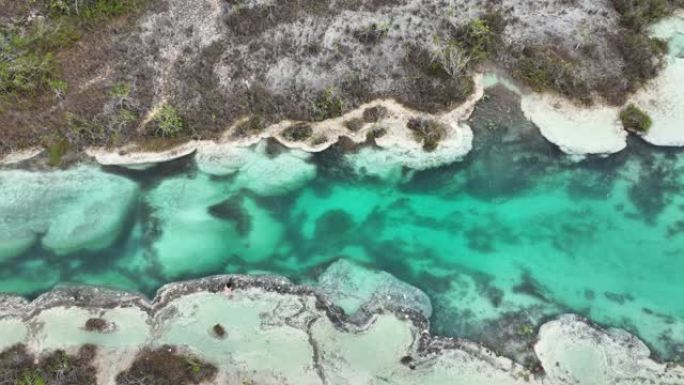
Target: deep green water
515,230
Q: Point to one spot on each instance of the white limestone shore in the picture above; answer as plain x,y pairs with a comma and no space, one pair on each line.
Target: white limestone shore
309,341
663,98
575,130
130,156
20,156
401,149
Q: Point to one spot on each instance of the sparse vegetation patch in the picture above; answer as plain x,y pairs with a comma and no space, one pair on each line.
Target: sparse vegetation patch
19,367
545,70
165,366
297,132
374,114
169,123
250,127
328,105
93,9
635,120
429,132
27,64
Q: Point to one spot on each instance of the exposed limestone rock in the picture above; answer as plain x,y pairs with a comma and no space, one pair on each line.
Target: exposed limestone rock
309,341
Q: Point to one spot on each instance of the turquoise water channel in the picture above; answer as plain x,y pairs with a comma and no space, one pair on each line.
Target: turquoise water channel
515,230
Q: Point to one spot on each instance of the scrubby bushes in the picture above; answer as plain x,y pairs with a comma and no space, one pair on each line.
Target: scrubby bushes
429,132
219,331
354,124
642,56
169,123
56,149
636,14
469,44
297,132
374,114
27,63
250,127
636,120
19,367
328,105
96,325
437,80
543,69
165,366
372,33
478,39
375,133
93,9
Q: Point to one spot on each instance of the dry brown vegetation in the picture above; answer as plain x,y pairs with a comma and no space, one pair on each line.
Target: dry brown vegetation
165,366
93,76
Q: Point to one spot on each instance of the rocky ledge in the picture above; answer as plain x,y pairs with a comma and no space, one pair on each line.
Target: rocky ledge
266,330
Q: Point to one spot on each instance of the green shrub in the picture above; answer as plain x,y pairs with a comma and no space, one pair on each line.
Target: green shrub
374,114
477,39
328,105
634,119
354,124
429,132
56,151
27,64
165,366
543,70
120,90
123,118
93,9
169,122
250,127
372,33
468,44
297,132
637,14
375,133
19,367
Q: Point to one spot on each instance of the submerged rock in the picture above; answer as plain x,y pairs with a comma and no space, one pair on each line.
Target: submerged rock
79,209
255,169
360,291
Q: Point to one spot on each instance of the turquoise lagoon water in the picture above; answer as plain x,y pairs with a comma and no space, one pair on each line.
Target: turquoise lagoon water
515,230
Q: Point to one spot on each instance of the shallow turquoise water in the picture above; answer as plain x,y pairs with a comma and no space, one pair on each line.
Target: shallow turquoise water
516,230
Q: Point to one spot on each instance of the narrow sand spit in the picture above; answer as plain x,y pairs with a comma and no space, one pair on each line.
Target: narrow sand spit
20,156
132,157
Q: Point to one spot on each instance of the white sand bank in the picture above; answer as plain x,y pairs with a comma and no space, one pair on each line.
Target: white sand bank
20,156
574,129
132,157
663,98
